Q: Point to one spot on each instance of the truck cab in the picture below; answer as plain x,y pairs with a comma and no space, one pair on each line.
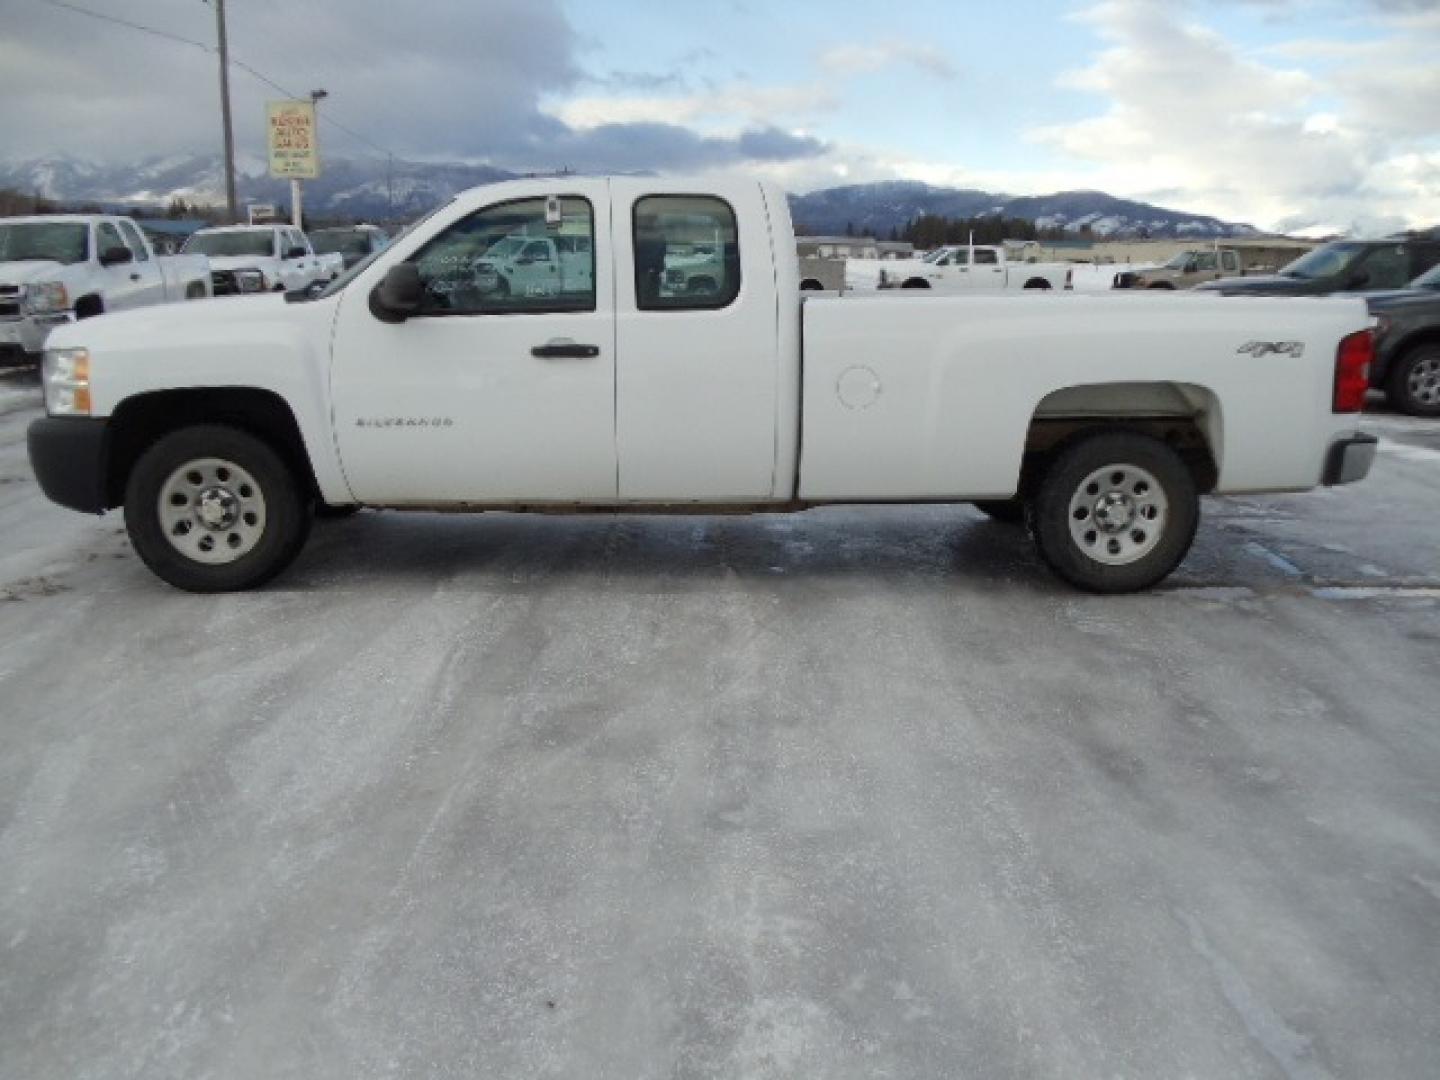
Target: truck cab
57,268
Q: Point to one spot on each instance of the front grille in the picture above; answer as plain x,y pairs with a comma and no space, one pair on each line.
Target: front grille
222,283
9,290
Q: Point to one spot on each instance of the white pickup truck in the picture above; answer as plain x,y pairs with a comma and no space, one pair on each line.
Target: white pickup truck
58,268
220,427
263,258
968,268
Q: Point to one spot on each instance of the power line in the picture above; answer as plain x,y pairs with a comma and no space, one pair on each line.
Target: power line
234,61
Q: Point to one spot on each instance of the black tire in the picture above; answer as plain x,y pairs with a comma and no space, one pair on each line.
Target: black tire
1413,385
1037,283
282,530
916,283
1065,495
1162,285
1006,511
87,307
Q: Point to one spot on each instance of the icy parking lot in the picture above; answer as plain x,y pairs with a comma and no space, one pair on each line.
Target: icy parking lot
847,793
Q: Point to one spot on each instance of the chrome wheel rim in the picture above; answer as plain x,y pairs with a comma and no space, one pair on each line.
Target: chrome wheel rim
212,511
1118,514
1424,380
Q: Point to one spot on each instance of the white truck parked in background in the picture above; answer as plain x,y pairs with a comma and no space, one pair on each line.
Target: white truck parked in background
969,267
262,258
220,427
61,267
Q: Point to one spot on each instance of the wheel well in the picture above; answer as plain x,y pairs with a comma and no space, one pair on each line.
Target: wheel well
1037,283
89,305
1429,336
916,283
810,284
140,421
1183,416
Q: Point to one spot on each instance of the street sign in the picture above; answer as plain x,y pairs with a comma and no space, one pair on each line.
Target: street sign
291,135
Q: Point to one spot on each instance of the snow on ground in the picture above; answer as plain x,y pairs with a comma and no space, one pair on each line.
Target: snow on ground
858,792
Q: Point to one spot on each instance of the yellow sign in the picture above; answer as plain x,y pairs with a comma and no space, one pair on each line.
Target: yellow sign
291,131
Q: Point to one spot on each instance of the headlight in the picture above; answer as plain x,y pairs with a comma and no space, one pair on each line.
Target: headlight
66,374
46,297
250,281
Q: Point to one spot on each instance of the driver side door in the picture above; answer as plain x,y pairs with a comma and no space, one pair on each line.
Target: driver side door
493,393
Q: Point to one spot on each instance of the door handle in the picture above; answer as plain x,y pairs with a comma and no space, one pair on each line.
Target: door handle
565,350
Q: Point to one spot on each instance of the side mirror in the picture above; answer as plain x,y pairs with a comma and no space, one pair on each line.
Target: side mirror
115,256
399,295
296,252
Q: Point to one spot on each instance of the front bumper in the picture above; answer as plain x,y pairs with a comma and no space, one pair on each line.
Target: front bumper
69,455
28,333
1350,459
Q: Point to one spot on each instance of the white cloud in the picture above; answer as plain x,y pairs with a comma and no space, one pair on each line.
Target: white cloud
864,59
1190,114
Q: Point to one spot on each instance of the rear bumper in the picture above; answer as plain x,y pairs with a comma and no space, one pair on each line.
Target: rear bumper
1350,459
68,455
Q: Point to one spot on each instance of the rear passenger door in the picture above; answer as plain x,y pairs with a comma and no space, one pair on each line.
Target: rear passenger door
122,282
696,353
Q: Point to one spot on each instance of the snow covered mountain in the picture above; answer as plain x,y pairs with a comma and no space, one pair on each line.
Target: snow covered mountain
879,207
358,188
371,188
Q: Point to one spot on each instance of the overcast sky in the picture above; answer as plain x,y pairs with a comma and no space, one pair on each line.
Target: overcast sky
1285,113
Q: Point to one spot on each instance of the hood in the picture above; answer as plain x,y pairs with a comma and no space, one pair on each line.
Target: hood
28,270
202,320
241,262
1403,298
1259,283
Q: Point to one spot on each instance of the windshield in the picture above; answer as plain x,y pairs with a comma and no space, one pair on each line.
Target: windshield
1328,261
260,243
54,241
1428,280
360,267
1178,262
339,242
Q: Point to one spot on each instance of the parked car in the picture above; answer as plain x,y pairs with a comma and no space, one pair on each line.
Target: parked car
1342,266
1407,345
523,264
352,243
261,258
404,385
966,267
58,268
1184,271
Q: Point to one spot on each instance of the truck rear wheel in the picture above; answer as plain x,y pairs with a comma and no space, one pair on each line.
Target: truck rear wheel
1414,384
1116,512
212,508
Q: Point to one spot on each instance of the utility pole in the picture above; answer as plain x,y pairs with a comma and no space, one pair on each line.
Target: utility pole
296,217
230,209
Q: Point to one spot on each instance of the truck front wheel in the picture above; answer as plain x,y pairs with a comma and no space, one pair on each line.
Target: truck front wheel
211,508
1116,512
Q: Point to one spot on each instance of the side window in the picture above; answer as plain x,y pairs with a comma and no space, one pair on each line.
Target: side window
1388,268
1230,262
500,259
986,258
687,253
107,237
959,258
1204,262
1426,257
137,243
